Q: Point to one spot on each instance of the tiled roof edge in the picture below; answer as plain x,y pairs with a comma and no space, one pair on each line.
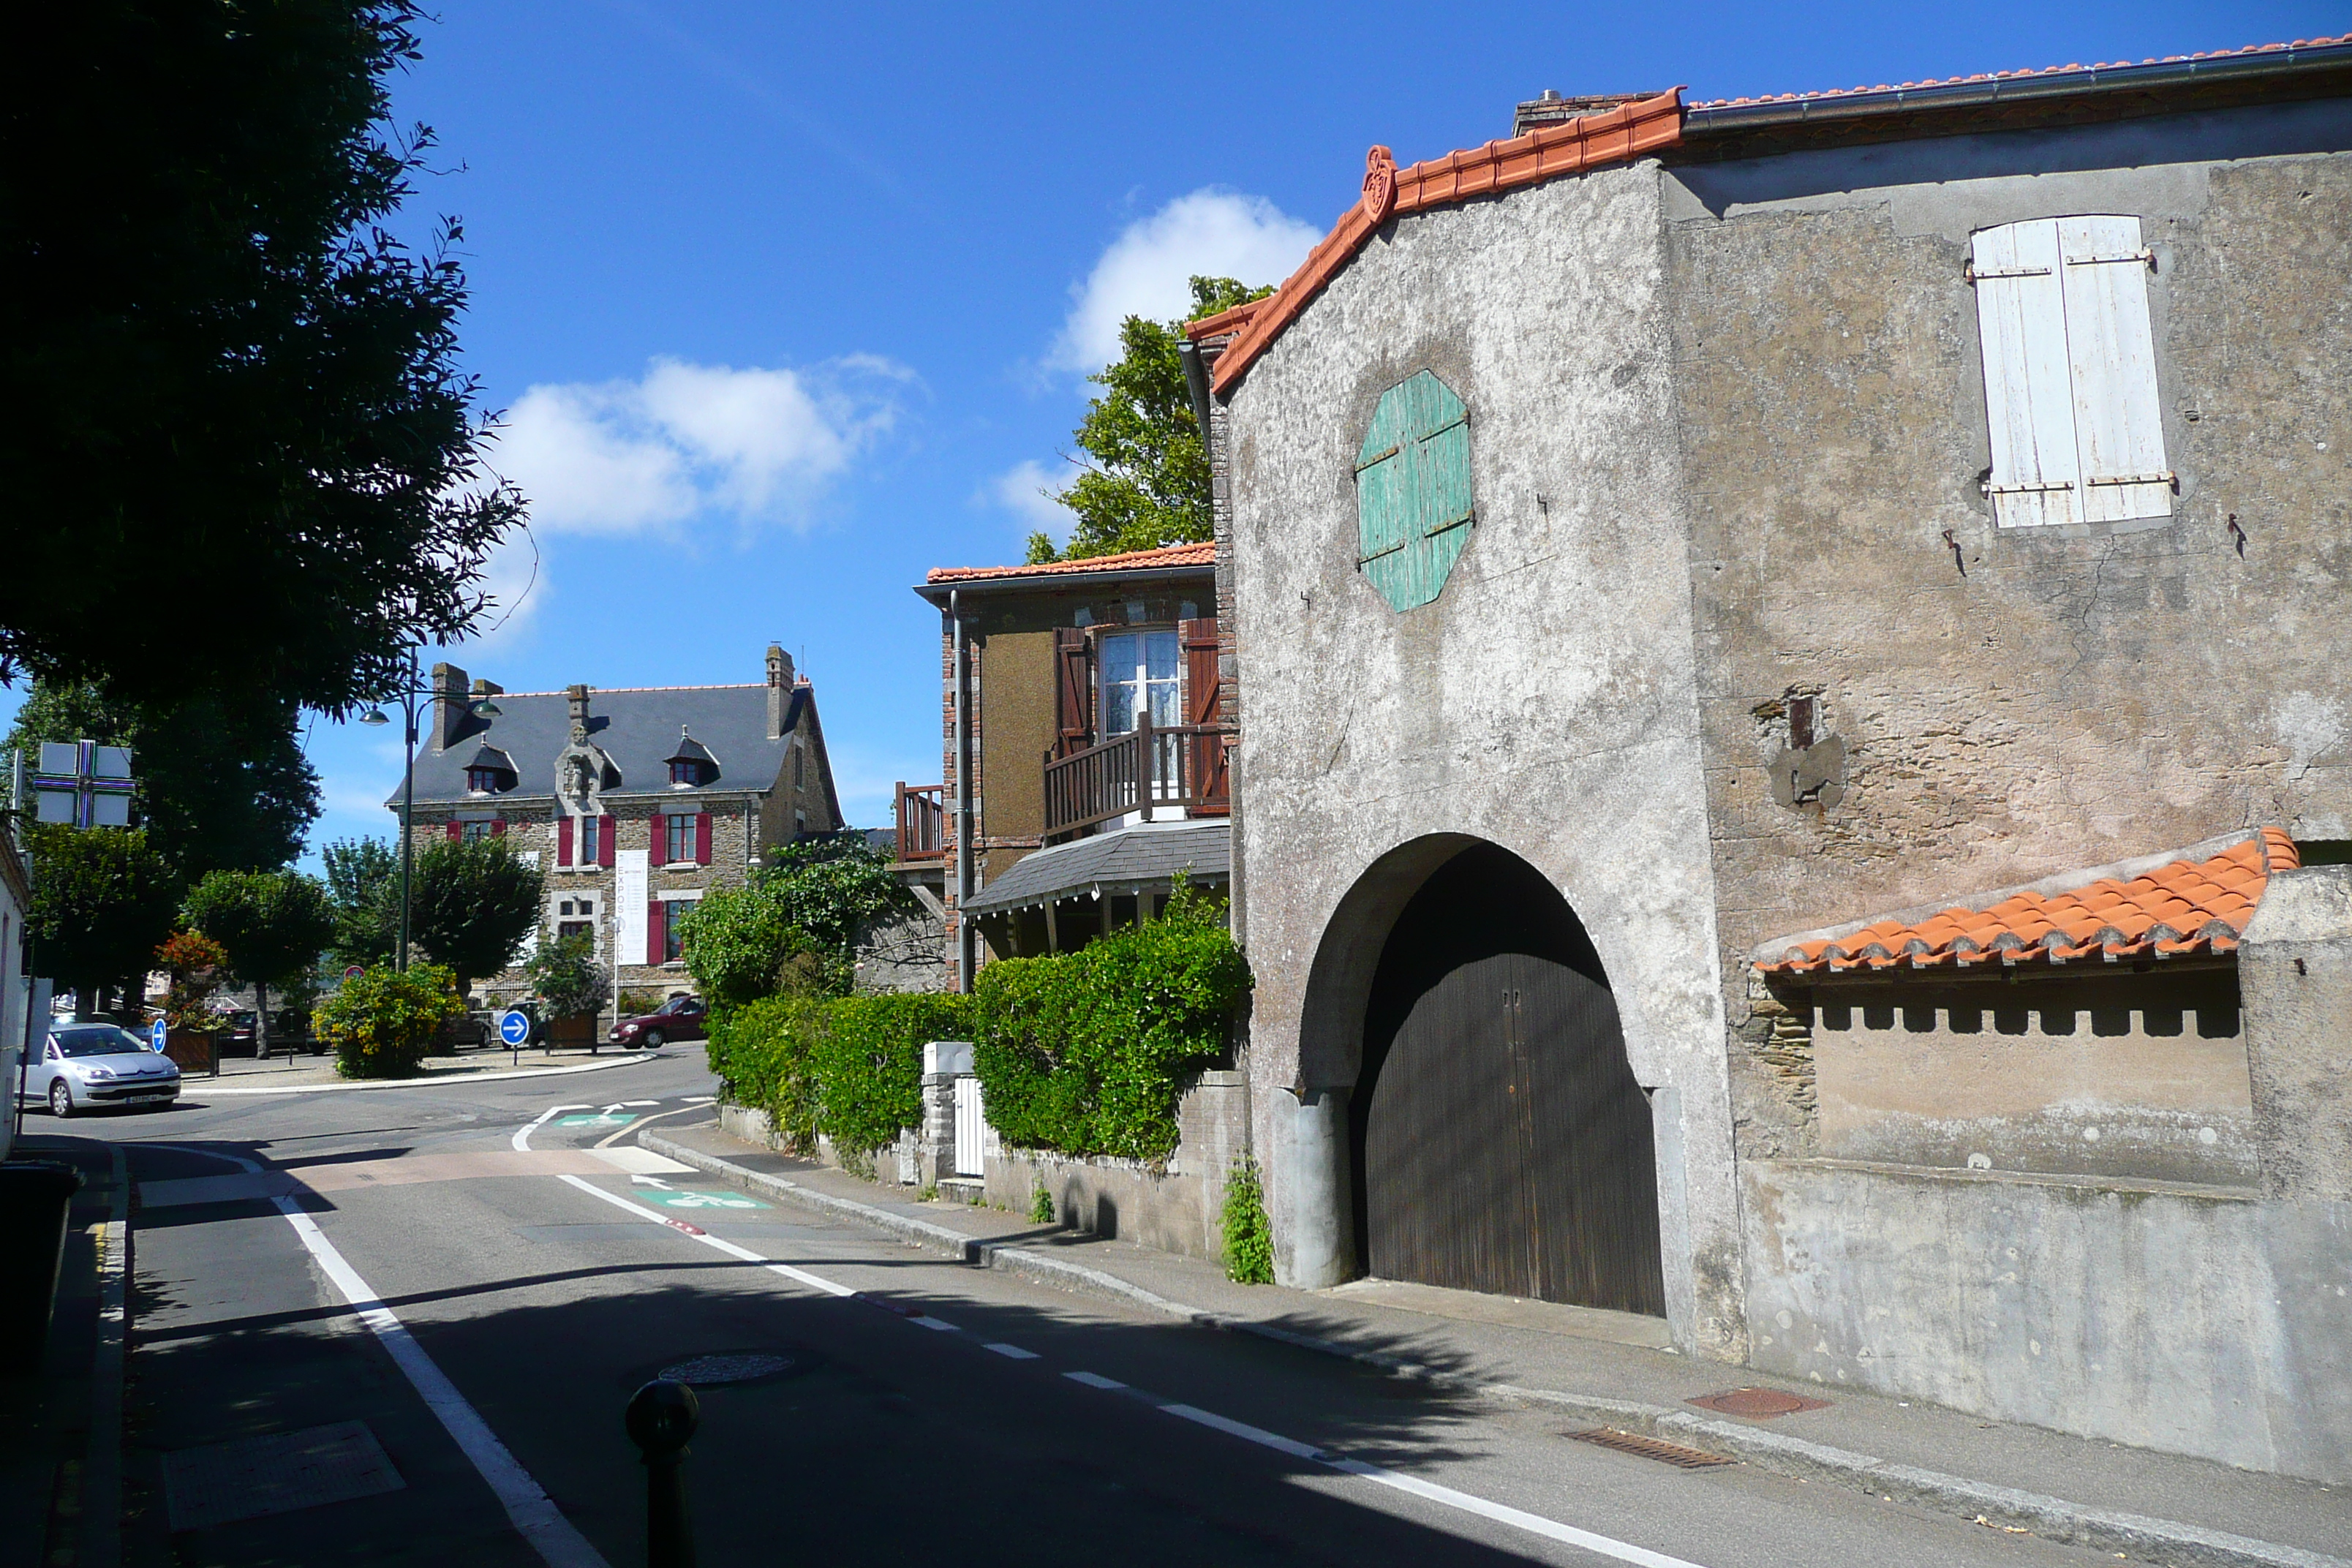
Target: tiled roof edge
1203,553
1771,950
1612,136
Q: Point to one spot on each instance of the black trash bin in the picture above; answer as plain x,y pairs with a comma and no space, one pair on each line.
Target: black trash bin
36,1198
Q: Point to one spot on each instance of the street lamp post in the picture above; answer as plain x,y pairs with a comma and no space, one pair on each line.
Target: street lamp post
410,695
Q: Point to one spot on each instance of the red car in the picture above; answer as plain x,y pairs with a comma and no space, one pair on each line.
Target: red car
679,1018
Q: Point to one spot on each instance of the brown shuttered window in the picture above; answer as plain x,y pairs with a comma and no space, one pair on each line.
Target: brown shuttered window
1204,696
1074,691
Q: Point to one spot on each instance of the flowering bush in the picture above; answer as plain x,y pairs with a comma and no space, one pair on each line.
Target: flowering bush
195,962
380,1023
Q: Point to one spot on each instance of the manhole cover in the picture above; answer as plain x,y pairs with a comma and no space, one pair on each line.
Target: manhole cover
1672,1454
712,1371
1757,1404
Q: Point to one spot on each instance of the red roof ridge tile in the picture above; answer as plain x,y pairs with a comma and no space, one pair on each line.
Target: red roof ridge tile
1199,554
1615,135
2168,908
2029,71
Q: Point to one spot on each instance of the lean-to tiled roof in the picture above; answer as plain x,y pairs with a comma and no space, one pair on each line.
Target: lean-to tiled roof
2181,908
1202,556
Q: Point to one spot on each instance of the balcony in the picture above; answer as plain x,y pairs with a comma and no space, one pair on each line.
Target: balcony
922,823
1178,769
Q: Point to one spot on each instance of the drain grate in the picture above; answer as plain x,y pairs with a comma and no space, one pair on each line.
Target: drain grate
1666,1453
224,1482
1757,1404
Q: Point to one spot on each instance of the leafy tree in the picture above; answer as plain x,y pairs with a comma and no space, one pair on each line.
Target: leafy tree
564,973
272,925
381,1022
470,904
363,882
195,962
242,372
1148,481
103,900
792,926
222,783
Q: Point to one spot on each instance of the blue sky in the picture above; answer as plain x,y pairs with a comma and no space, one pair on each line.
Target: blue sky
788,303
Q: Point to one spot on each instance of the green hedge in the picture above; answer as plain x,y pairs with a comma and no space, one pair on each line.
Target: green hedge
848,1067
1087,1052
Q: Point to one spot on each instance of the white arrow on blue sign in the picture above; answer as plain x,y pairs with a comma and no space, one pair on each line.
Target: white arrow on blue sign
158,1034
514,1026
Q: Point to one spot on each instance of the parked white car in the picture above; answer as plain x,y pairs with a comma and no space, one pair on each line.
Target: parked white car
85,1066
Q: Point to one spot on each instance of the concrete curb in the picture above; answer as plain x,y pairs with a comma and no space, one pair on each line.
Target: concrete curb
1979,1502
465,1076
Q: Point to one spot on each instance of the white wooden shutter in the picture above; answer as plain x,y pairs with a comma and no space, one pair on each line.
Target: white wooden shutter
2111,356
2029,404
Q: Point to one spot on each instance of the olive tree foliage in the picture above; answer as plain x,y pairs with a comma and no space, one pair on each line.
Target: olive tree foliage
792,926
471,903
250,400
103,900
272,925
1145,479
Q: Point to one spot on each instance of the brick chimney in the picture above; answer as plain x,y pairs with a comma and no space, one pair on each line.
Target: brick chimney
780,689
448,706
576,698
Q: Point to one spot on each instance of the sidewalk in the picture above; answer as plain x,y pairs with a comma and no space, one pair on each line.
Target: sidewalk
242,1074
61,1428
1612,1369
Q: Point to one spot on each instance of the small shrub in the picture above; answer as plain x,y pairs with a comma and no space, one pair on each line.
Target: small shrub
1249,1237
637,1004
381,1022
1041,1206
563,971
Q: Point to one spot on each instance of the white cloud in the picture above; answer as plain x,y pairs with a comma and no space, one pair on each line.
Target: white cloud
1022,490
1145,272
686,441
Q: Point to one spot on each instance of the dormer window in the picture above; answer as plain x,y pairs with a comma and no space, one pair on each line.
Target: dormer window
491,772
691,765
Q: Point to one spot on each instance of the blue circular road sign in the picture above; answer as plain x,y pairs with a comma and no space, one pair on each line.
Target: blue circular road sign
514,1026
158,1033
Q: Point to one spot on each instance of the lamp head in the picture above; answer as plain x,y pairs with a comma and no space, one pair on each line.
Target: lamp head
373,718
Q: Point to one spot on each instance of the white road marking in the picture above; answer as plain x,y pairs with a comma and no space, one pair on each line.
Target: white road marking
720,1243
940,1323
1501,1513
1015,1351
522,1134
624,1104
1094,1380
642,1122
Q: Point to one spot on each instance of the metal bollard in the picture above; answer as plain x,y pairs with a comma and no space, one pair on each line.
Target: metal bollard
661,1417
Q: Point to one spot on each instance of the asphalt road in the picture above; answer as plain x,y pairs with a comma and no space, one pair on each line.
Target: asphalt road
910,1408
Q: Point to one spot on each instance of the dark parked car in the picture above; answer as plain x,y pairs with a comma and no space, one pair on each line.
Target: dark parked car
679,1018
289,1031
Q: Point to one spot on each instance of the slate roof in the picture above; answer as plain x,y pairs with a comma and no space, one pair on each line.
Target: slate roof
637,727
2180,909
2030,73
1145,857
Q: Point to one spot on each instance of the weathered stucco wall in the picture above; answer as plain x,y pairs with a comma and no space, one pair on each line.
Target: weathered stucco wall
1544,702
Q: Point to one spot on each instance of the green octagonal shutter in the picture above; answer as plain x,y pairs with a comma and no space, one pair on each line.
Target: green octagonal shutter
1413,490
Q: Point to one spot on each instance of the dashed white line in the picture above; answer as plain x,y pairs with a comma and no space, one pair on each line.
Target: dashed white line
1094,1380
1014,1351
716,1242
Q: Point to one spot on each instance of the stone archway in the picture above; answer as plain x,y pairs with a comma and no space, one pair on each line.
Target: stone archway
1496,1137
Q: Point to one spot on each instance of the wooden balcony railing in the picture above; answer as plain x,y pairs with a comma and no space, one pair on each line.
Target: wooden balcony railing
922,822
1164,767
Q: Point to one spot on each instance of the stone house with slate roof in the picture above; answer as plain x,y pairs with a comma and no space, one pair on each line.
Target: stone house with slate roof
634,801
1797,776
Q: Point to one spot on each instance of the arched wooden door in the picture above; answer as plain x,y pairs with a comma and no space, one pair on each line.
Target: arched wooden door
1502,1144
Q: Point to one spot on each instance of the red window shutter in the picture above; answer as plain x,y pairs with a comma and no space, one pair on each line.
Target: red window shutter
656,931
456,829
604,842
702,839
1203,700
563,841
1074,690
497,827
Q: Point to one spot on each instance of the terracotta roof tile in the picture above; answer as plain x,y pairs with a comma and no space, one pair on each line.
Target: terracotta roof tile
2038,71
1204,554
2188,907
1615,135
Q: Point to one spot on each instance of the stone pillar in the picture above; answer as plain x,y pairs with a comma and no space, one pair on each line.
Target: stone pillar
2295,974
1316,1240
944,1061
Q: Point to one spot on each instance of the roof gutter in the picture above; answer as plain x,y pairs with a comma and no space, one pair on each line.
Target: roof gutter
1196,382
940,593
1700,120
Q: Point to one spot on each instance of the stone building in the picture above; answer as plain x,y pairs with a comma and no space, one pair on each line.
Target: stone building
1077,679
634,801
1793,763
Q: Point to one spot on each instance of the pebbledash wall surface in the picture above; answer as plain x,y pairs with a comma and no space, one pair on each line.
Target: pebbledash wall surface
1752,630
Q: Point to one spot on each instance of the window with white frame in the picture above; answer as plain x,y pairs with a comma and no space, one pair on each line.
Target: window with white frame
678,836
2070,371
591,828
